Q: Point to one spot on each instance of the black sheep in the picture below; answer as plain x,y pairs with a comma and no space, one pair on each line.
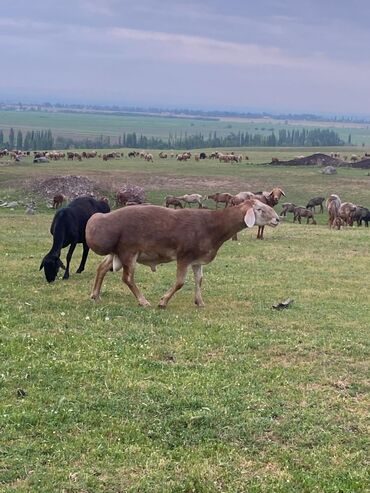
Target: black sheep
68,228
312,203
361,214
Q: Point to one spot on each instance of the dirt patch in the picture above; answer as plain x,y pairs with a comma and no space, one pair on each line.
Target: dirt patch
97,184
363,164
186,183
70,186
317,159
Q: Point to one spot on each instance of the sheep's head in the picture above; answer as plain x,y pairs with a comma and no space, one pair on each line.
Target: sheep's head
276,194
260,214
51,265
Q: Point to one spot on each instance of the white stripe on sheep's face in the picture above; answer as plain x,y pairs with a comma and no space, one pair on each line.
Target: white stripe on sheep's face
262,215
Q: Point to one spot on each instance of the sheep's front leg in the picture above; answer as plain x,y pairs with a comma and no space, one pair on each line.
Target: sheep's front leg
85,253
128,278
180,280
198,277
69,257
101,272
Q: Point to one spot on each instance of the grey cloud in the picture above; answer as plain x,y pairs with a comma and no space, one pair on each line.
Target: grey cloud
276,53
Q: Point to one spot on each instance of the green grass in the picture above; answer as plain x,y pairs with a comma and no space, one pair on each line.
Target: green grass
236,397
78,125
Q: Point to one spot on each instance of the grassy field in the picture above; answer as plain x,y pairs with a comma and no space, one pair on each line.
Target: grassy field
235,397
78,125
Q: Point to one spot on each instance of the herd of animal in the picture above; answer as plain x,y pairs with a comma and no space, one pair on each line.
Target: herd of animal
152,235
149,235
47,156
340,213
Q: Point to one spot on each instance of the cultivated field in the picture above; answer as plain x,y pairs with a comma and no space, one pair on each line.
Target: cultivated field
235,397
91,125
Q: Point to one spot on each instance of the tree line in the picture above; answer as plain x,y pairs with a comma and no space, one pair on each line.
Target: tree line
32,140
43,139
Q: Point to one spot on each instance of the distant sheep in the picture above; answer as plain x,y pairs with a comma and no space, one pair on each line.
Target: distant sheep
361,214
300,212
333,205
221,198
175,202
58,200
287,207
192,198
346,211
316,201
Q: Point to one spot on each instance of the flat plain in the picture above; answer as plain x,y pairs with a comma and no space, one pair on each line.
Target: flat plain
91,125
235,397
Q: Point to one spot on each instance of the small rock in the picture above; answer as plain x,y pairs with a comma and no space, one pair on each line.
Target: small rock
283,304
21,393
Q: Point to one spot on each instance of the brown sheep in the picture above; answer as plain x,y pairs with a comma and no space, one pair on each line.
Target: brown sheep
153,235
223,198
300,212
333,205
171,200
58,200
287,207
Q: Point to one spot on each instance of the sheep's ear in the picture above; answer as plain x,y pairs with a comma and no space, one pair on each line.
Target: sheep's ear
282,193
61,265
42,264
250,218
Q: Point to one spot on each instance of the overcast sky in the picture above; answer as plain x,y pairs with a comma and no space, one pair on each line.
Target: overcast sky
278,55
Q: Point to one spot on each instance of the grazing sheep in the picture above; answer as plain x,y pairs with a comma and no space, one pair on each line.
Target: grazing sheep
312,203
240,197
361,214
153,235
193,198
346,211
287,207
300,212
221,198
333,205
58,200
68,228
171,200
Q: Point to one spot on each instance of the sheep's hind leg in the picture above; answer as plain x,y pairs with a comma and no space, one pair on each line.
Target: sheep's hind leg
198,277
180,280
105,266
128,278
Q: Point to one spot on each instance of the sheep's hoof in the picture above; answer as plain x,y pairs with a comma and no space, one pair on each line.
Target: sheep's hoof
78,271
66,276
200,304
144,303
162,305
95,297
